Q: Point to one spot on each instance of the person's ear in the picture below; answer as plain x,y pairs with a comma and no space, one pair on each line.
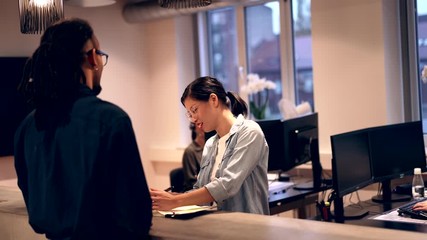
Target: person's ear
91,58
213,98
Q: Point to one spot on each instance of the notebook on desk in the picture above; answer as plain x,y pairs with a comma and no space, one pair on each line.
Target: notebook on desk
187,212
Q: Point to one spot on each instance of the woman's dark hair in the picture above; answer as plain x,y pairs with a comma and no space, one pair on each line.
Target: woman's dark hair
201,89
53,73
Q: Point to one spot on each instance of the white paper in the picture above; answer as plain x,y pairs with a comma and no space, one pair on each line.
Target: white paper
394,217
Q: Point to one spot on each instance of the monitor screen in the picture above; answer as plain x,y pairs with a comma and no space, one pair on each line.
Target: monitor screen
13,108
351,167
272,130
291,142
396,150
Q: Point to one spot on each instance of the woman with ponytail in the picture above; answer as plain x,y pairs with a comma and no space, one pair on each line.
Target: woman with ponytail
233,173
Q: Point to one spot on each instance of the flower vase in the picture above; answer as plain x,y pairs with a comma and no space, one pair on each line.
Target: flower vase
258,104
257,112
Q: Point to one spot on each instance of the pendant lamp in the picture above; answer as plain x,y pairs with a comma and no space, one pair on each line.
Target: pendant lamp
177,4
37,15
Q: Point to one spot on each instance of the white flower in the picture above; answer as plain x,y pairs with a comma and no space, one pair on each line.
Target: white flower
256,84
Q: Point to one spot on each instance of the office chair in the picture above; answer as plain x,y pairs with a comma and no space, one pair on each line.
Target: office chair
177,179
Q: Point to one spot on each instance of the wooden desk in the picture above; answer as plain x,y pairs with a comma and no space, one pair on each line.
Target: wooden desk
223,225
378,208
219,225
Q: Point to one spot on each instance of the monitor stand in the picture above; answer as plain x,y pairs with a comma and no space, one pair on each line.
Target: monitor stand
279,176
316,168
341,214
387,196
283,177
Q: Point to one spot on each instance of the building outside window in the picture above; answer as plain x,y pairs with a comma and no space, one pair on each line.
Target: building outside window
265,36
422,56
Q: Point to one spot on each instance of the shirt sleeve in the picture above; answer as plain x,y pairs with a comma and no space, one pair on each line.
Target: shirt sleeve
240,162
20,164
132,202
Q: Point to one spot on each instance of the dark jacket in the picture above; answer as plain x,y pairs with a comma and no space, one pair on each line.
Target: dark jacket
81,176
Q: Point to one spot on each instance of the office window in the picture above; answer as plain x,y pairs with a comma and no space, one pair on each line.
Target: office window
263,49
271,39
422,57
303,54
222,42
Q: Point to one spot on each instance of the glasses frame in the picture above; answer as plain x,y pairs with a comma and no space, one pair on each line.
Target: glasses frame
191,112
100,53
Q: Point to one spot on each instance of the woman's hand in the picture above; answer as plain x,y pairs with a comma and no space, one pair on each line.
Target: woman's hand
163,200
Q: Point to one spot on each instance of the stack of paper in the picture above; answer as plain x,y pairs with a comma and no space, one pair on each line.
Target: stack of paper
186,212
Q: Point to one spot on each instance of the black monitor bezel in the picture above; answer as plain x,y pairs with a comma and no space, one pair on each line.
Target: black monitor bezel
338,188
288,132
391,128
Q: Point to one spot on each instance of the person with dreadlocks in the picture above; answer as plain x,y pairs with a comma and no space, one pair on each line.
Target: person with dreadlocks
76,156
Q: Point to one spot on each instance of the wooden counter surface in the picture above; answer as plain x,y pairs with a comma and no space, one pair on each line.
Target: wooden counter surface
252,226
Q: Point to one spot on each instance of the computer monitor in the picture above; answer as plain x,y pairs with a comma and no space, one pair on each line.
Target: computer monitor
13,107
351,169
351,166
293,142
395,151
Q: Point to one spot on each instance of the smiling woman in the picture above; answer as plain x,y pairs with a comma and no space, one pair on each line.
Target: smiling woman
233,169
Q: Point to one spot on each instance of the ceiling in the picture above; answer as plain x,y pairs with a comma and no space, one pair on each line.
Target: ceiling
135,11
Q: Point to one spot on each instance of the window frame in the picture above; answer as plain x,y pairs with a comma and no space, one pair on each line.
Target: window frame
286,45
410,66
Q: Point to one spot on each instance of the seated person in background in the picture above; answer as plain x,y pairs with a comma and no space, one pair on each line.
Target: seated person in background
76,156
420,206
233,171
193,154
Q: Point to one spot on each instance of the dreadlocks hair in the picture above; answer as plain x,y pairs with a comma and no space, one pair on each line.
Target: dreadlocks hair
53,73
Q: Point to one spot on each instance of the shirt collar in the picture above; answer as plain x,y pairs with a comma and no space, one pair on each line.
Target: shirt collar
234,128
239,122
85,91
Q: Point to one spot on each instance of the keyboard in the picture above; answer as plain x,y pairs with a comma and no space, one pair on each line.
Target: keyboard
406,209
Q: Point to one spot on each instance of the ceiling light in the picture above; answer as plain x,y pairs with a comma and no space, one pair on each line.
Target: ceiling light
89,3
184,3
37,15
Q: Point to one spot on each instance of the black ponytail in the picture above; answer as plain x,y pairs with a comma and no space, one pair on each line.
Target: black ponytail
237,104
201,89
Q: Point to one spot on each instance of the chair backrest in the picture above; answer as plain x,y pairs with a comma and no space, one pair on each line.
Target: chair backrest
177,179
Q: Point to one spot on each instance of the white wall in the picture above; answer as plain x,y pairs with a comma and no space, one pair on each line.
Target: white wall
355,72
355,66
125,79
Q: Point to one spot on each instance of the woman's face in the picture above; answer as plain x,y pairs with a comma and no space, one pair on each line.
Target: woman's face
200,113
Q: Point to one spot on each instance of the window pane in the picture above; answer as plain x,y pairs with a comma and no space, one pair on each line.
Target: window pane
263,49
422,55
223,47
303,58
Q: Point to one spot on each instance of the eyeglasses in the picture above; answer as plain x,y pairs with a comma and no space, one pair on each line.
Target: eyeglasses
193,111
104,55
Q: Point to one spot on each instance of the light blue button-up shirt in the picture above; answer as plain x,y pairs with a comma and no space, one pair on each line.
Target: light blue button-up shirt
241,183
